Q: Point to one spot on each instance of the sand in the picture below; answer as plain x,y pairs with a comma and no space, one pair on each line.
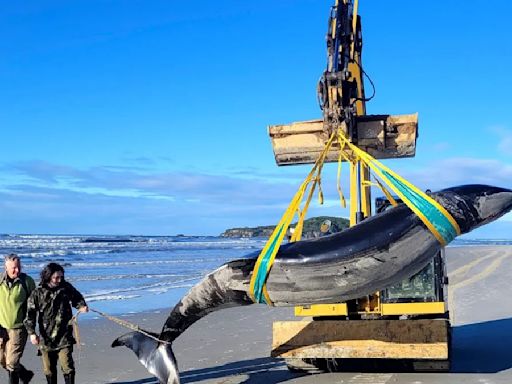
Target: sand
233,345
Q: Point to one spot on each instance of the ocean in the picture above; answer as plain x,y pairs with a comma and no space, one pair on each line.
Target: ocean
130,274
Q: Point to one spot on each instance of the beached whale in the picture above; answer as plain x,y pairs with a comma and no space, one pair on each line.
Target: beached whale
363,259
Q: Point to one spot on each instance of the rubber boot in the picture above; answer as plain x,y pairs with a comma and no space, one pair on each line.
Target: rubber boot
14,378
69,378
51,379
25,375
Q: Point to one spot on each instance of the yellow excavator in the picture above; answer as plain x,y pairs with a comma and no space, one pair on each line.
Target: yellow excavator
407,323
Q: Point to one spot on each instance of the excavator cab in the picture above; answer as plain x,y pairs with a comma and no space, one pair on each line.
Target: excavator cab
427,286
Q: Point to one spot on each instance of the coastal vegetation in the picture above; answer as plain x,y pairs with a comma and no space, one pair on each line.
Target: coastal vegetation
311,228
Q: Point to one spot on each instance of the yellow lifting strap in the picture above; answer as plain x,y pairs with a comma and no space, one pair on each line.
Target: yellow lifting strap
385,191
267,255
436,218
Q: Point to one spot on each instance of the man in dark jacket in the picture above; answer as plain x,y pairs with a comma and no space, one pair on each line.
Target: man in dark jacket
50,304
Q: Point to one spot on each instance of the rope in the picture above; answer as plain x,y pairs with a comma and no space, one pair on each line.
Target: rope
76,332
123,323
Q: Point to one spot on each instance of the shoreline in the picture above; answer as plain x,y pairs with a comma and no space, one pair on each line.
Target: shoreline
232,346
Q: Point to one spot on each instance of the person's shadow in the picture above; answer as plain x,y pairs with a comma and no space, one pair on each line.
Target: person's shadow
476,348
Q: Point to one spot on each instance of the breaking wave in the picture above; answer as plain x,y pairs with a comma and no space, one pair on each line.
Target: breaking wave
144,272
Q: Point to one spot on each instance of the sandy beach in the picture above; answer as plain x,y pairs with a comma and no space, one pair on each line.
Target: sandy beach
233,345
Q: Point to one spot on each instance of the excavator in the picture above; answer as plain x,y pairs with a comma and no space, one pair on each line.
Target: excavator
407,323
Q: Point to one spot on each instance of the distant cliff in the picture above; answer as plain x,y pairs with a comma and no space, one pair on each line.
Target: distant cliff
312,228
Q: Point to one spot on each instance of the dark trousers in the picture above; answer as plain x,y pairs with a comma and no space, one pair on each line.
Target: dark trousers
64,356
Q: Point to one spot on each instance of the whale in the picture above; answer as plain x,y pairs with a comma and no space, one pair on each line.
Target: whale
370,256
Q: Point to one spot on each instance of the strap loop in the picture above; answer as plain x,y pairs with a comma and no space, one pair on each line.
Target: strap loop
267,255
435,217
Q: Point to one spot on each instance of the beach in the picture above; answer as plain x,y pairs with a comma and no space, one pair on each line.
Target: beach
216,347
233,345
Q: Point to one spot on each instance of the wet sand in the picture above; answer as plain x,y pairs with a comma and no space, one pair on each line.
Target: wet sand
233,345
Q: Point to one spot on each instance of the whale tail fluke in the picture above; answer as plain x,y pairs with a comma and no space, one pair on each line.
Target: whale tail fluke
158,358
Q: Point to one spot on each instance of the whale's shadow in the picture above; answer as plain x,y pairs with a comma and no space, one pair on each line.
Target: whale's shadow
266,369
477,348
260,370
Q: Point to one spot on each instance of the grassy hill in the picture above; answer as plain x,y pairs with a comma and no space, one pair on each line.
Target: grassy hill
311,228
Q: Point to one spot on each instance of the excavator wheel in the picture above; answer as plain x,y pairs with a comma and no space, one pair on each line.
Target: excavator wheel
431,366
333,365
310,366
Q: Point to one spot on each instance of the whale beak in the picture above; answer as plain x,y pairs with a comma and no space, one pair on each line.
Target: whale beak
493,205
474,205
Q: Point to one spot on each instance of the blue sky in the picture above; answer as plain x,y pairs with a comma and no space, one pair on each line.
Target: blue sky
150,117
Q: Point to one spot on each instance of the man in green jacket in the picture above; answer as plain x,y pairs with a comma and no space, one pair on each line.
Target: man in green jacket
15,288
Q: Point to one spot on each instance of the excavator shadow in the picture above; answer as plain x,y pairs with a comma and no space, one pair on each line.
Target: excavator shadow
482,347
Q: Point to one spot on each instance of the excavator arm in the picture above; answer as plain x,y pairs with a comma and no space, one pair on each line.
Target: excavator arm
341,89
342,101
319,345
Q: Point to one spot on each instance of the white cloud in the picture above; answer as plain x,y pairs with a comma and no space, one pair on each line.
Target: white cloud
442,146
114,200
460,170
47,198
505,143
